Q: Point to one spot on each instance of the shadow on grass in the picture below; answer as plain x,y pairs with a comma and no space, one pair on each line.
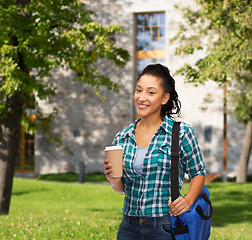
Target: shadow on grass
97,209
72,177
19,193
230,205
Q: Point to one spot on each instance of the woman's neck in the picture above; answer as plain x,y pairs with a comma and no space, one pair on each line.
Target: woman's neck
145,129
150,122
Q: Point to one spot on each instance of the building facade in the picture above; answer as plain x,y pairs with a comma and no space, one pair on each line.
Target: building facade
87,124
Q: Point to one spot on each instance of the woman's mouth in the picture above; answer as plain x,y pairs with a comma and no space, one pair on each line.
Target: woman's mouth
142,106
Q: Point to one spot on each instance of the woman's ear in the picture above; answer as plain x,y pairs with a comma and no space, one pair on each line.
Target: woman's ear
166,98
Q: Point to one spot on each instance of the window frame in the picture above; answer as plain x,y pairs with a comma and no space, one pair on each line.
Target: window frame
141,54
23,150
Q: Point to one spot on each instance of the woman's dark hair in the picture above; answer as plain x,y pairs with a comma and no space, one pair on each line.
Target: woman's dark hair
172,107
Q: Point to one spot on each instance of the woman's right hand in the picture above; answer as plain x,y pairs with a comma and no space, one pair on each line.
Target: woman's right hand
108,171
116,182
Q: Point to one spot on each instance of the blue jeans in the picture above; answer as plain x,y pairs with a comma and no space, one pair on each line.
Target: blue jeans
145,228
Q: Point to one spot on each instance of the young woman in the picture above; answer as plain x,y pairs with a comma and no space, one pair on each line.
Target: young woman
147,148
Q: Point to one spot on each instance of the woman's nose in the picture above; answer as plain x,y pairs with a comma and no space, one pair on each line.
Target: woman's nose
142,97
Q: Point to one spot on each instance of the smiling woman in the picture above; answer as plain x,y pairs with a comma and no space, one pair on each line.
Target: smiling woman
149,96
147,159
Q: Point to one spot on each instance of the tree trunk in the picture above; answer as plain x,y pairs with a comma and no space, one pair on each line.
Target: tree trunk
10,131
244,158
9,144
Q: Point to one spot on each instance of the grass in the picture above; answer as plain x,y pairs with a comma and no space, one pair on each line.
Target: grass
232,206
54,210
72,177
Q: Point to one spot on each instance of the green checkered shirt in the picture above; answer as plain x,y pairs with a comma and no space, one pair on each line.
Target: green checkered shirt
148,194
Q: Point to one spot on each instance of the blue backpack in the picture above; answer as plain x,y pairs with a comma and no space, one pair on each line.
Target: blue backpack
196,223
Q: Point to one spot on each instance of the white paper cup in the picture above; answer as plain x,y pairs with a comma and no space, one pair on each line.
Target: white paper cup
114,156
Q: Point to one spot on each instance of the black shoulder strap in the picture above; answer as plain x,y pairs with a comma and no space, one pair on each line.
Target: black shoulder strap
175,161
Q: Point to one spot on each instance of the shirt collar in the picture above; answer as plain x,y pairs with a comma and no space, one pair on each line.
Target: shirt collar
131,129
166,125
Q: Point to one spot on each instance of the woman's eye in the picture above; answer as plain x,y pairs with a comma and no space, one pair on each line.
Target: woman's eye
138,90
151,93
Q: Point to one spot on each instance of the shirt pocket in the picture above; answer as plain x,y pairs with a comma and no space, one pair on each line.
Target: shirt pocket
164,157
128,171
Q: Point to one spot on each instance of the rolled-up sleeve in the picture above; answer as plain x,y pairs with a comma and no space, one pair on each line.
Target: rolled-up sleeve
192,156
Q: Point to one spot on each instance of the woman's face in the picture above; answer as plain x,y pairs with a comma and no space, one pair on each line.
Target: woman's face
149,96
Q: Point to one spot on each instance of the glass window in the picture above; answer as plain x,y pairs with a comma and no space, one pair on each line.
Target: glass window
150,40
25,161
150,31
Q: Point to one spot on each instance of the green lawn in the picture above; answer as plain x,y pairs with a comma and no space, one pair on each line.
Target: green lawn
53,210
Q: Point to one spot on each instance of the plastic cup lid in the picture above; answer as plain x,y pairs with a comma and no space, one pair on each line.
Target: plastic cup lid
109,148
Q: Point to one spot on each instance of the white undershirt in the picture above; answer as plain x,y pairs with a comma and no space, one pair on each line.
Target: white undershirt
138,162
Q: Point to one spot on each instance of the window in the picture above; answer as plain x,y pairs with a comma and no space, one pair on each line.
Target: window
150,32
25,160
150,40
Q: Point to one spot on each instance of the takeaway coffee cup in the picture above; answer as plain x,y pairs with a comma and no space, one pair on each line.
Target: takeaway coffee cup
114,156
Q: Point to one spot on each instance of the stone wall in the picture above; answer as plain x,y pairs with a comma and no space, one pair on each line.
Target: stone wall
87,124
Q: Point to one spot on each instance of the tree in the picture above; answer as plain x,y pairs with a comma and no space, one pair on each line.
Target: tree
38,36
222,29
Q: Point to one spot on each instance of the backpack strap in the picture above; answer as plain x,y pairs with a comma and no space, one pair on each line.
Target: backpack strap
175,161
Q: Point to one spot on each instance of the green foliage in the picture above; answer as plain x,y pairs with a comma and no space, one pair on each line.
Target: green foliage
241,98
92,211
223,30
38,36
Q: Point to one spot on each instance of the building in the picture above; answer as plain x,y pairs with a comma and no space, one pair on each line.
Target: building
87,124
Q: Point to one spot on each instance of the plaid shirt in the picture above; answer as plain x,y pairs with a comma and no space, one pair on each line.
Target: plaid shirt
148,194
